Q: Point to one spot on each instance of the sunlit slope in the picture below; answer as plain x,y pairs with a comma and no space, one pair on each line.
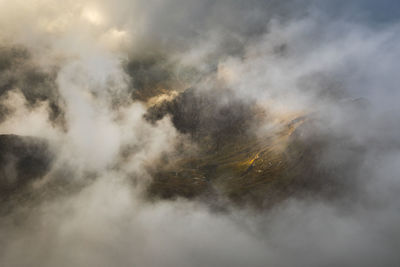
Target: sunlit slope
290,162
242,169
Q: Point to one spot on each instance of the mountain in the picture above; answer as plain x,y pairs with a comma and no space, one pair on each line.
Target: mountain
232,162
23,160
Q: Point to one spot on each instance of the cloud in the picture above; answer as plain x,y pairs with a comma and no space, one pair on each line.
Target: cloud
106,85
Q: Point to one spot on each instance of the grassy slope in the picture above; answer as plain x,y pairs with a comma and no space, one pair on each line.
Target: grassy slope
249,169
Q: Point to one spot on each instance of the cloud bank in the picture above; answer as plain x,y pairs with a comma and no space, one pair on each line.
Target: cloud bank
110,91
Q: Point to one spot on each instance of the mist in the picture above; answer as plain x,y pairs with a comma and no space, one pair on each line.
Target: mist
199,133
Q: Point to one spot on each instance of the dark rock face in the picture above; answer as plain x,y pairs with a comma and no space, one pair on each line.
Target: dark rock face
147,76
322,163
213,117
22,161
18,70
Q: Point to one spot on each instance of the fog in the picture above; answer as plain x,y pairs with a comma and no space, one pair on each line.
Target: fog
82,77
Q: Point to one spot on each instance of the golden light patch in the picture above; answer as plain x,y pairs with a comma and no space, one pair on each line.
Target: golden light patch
162,97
